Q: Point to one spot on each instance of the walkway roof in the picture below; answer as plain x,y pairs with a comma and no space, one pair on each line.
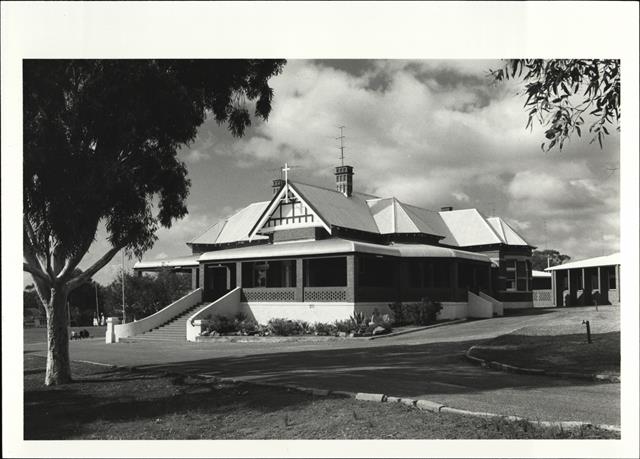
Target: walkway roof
608,260
338,246
186,261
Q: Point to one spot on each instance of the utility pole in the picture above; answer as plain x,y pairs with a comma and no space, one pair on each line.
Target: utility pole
124,316
97,308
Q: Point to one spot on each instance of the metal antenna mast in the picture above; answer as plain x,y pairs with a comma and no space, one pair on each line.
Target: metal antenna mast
341,138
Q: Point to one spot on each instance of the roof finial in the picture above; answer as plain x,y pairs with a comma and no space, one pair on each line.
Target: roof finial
341,138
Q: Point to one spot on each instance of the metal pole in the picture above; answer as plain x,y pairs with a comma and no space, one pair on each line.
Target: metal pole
97,307
124,316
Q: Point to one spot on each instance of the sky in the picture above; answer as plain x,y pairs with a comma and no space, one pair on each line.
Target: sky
431,133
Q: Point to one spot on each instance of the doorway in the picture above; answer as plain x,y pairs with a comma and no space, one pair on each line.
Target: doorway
216,282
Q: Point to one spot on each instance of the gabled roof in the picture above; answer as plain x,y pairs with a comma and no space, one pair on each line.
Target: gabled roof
468,228
506,232
233,228
608,260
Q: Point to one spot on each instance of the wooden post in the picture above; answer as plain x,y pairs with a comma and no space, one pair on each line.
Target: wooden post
238,274
351,278
299,294
618,282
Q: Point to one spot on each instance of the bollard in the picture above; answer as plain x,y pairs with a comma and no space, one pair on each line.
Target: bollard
586,322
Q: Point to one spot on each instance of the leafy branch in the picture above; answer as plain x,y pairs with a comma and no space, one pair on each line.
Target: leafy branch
561,93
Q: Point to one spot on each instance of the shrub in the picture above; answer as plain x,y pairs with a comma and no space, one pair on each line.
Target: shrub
222,325
346,326
423,313
324,329
284,327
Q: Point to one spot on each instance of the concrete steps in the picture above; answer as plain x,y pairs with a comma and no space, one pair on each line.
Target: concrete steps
173,330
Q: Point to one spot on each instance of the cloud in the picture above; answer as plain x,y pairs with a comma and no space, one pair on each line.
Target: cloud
195,156
431,133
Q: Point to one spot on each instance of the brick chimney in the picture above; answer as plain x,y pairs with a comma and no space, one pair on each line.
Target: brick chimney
446,209
344,180
277,185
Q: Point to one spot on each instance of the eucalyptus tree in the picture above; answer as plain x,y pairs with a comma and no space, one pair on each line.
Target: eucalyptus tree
100,147
565,95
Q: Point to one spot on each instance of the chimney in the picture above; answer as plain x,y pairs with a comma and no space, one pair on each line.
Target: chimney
277,185
446,209
344,180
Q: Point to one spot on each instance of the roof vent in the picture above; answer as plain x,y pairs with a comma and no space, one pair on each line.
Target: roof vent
446,209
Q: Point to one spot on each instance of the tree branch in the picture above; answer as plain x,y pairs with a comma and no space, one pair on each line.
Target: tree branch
97,266
36,272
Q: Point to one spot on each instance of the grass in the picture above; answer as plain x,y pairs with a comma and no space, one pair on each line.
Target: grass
38,335
560,344
119,404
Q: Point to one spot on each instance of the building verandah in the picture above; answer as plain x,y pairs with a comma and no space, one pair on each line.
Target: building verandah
595,281
340,271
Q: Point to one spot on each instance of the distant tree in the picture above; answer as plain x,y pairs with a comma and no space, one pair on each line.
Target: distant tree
100,145
562,93
539,259
146,294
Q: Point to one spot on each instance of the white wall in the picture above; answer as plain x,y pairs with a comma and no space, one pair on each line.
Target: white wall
517,304
227,305
479,307
452,311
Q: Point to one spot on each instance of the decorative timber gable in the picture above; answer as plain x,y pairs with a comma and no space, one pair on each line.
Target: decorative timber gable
288,210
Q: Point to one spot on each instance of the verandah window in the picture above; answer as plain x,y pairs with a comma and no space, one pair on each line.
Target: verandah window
325,272
269,273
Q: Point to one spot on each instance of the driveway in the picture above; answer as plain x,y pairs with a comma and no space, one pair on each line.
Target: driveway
427,364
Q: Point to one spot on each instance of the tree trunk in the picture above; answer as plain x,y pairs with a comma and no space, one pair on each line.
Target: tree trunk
58,365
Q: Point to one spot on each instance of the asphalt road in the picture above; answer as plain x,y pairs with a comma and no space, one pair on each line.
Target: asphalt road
427,364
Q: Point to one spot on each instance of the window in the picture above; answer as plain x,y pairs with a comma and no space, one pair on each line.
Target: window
375,271
518,275
273,273
325,272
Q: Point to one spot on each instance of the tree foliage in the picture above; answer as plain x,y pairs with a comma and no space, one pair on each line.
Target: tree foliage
539,259
146,294
100,147
564,94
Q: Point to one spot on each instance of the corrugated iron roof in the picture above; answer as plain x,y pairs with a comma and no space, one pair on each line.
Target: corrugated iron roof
536,273
337,209
234,228
468,227
506,232
607,260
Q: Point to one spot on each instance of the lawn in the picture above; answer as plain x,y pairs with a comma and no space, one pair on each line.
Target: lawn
38,335
560,344
112,404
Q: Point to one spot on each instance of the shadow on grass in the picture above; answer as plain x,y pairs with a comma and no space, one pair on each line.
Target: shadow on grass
568,352
528,312
64,411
